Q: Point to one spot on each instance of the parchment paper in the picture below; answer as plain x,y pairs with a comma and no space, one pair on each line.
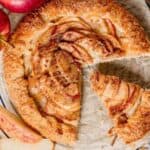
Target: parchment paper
95,123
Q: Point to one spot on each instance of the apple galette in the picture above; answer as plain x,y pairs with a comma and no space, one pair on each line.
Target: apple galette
43,65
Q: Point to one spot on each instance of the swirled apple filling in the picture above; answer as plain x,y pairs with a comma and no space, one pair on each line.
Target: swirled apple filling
53,67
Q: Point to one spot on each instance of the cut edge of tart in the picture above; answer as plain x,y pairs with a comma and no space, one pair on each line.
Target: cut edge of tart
7,144
14,127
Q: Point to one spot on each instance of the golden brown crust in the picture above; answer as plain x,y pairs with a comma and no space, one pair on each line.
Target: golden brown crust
90,31
128,106
19,95
133,40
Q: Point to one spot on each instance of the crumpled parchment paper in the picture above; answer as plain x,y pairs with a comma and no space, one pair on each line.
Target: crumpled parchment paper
95,122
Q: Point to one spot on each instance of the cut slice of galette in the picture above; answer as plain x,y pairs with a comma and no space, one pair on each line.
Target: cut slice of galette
127,103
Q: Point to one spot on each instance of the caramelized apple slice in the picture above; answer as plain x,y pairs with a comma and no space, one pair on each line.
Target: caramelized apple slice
77,51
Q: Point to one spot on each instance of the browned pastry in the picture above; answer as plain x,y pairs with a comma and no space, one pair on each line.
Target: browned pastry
128,106
16,128
48,46
55,90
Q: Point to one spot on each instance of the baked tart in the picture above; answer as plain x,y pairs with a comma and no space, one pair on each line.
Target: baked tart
128,106
42,68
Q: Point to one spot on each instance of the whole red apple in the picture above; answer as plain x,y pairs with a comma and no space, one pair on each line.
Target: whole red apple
4,25
21,6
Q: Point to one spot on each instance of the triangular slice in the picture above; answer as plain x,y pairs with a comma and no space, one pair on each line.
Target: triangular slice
59,34
128,106
57,86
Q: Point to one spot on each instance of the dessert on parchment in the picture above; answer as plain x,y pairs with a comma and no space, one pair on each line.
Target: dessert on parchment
43,65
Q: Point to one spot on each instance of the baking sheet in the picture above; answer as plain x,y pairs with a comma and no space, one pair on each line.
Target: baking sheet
94,122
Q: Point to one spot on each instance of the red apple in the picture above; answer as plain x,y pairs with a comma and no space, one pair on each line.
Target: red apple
21,6
4,25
